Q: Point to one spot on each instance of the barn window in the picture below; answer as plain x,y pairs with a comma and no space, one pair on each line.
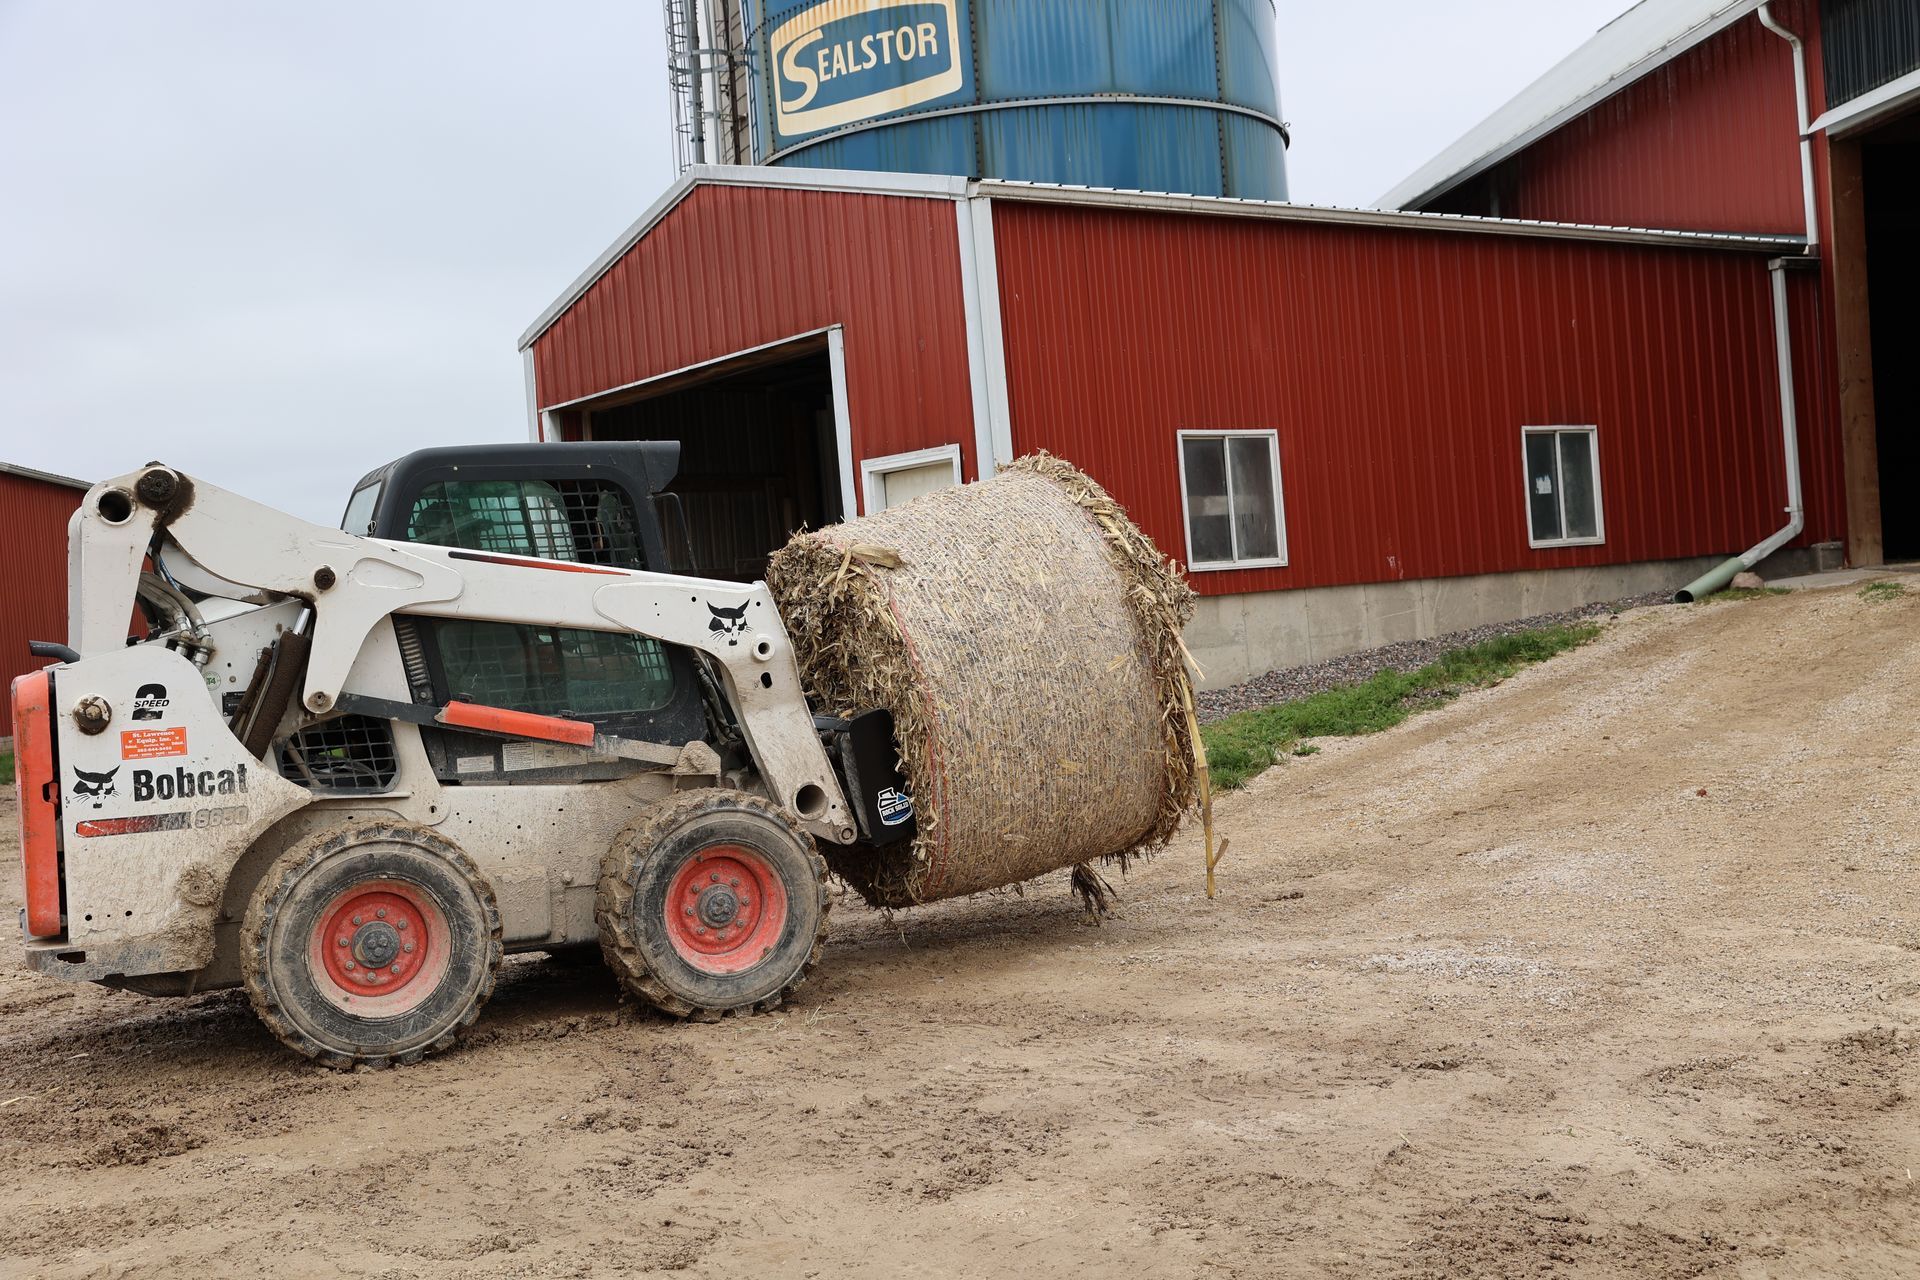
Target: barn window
890,481
1563,486
1230,487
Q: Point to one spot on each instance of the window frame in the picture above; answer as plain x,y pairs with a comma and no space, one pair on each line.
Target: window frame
1592,432
1272,437
873,471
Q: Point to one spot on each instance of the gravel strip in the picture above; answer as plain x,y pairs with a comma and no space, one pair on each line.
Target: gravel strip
1276,687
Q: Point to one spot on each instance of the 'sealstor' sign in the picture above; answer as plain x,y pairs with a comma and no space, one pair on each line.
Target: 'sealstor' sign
845,61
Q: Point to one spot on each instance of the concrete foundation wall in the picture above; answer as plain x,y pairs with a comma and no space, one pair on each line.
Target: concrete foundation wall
1236,637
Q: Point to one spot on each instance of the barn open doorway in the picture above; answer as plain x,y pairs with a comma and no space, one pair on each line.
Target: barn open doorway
761,450
1890,185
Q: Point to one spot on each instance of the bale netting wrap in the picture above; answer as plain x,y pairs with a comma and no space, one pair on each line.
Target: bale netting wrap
1026,637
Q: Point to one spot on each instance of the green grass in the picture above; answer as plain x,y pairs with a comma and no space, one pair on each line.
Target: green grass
1247,743
6,768
1882,591
1744,593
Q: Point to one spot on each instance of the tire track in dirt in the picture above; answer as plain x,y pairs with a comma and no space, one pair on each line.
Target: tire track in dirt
1496,993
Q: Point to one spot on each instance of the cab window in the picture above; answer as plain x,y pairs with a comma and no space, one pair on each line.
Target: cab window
552,671
586,521
359,518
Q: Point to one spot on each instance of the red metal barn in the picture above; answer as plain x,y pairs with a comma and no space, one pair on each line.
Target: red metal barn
1352,426
1800,117
33,573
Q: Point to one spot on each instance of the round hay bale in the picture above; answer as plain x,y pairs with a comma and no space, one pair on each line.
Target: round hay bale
1026,637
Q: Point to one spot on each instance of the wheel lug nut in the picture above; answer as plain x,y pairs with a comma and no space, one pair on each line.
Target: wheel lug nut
699,928
382,913
395,969
689,910
356,919
342,941
349,964
715,877
734,883
406,946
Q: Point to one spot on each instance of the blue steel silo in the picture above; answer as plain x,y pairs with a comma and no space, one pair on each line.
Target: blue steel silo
1154,95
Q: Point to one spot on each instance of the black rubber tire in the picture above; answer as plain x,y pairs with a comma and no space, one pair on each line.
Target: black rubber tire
285,908
640,866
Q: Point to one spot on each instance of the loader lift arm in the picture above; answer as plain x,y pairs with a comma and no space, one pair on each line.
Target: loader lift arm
220,544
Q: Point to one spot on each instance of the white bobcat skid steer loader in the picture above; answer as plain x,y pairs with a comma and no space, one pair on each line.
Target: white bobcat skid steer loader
350,772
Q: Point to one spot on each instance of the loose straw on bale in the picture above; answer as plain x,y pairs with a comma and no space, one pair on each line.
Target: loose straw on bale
1026,637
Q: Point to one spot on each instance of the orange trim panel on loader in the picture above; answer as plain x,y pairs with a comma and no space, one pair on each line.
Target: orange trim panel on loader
39,799
518,724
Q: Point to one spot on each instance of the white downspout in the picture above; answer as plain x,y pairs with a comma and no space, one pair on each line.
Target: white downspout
1720,576
1806,123
1789,419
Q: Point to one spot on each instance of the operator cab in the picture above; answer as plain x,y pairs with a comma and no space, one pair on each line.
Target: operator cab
599,504
594,504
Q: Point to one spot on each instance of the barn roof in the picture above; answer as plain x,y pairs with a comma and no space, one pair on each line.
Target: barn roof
929,186
1641,40
46,477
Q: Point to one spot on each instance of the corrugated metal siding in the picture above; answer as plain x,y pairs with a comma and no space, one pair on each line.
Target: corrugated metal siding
1709,142
1867,43
1398,367
33,576
739,267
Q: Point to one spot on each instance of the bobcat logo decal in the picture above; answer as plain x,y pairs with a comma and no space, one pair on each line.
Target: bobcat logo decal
95,786
727,622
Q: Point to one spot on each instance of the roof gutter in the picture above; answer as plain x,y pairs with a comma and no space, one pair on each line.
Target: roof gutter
1309,214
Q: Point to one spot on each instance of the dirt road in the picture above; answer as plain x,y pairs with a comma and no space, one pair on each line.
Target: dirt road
1614,969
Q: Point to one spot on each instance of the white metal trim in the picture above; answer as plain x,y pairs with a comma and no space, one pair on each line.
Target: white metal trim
931,186
1560,497
842,420
992,335
695,367
1272,437
871,469
533,396
1279,211
984,462
1857,113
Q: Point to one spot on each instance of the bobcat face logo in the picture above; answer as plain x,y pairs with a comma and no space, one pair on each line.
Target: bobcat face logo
95,786
727,622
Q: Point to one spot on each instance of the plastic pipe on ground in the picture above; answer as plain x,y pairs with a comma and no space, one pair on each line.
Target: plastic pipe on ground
1714,579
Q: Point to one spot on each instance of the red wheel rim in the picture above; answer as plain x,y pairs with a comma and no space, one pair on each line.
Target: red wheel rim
379,948
726,909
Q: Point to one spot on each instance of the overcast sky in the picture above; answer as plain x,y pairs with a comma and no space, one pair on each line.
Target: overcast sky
278,244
